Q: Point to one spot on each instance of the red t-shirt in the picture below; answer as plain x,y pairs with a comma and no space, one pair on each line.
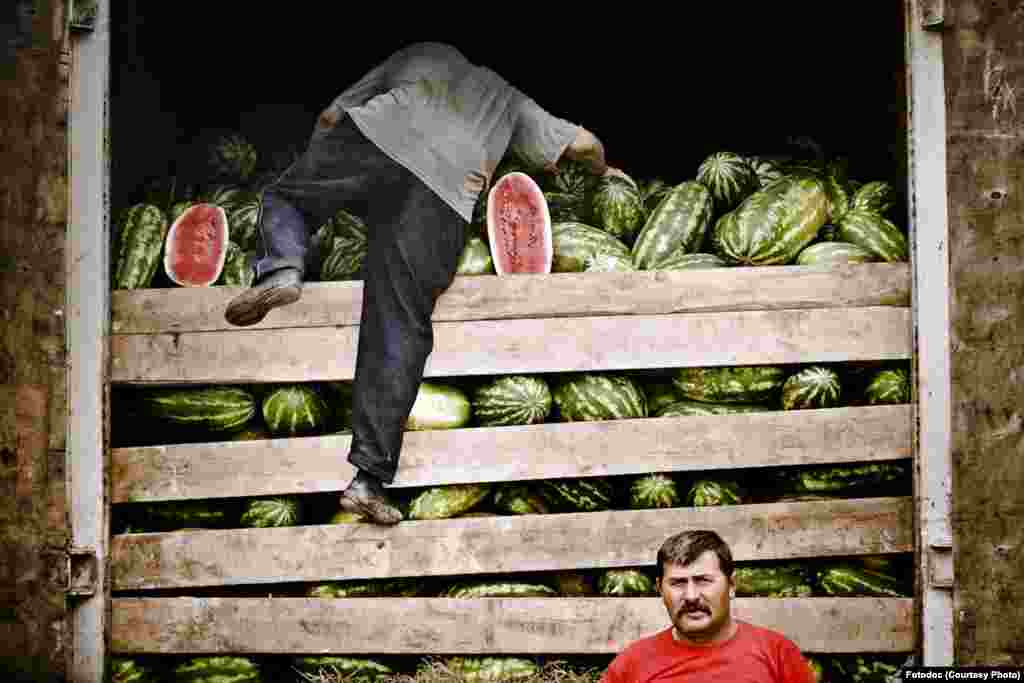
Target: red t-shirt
753,655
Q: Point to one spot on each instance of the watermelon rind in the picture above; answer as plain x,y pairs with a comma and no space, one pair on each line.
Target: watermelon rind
812,387
877,195
577,495
439,406
775,580
143,231
272,511
834,253
587,397
874,232
213,409
473,669
210,253
237,271
729,178
617,208
714,492
890,386
625,582
688,408
679,223
730,384
520,499
330,667
512,400
697,261
295,410
578,246
217,669
499,589
475,258
654,490
443,502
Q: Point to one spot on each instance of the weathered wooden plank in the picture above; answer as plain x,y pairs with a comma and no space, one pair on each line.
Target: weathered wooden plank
475,545
546,451
479,626
527,346
539,296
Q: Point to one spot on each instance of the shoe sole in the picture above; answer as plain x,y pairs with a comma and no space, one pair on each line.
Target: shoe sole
519,226
252,306
381,513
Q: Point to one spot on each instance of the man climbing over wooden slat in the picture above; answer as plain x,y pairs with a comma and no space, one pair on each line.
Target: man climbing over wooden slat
409,147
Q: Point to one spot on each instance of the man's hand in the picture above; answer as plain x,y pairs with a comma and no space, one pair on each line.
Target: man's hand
611,171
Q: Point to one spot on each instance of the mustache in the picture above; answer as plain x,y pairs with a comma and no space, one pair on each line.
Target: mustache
694,606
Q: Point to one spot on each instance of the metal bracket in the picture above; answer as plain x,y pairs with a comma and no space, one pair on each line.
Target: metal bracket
940,564
933,15
82,572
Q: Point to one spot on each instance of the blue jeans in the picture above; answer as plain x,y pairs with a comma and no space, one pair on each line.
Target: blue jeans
414,243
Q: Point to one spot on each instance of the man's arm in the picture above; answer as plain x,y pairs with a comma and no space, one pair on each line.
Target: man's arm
588,150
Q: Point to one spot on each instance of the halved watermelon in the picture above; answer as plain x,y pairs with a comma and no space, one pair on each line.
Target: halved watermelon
519,226
196,246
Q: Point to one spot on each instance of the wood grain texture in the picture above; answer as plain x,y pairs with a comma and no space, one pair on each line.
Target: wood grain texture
491,347
479,626
500,544
328,304
546,451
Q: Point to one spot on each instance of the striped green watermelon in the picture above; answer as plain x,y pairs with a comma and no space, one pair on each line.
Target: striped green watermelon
295,409
572,177
565,207
576,246
877,195
729,178
766,170
340,668
875,233
838,196
660,393
842,479
439,406
735,384
683,261
372,588
143,229
609,263
775,580
871,669
520,499
599,396
617,208
185,514
652,192
678,224
687,408
707,492
272,511
132,670
512,400
219,669
889,386
214,409
475,258
775,223
811,387
849,580
654,491
442,502
237,272
343,244
832,253
577,495
626,582
499,589
491,668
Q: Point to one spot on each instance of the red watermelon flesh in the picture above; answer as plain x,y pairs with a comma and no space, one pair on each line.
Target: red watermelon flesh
519,226
197,244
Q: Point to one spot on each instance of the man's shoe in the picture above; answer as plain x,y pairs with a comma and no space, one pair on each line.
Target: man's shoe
280,288
365,495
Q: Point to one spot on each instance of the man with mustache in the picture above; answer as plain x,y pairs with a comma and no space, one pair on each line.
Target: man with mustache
704,642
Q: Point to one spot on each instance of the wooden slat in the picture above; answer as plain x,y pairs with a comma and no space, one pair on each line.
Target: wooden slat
538,296
421,626
490,347
475,545
547,451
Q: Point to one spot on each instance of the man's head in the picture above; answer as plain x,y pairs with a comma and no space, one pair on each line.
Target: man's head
695,582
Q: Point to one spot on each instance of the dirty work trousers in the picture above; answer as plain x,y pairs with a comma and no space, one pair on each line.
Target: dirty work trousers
414,243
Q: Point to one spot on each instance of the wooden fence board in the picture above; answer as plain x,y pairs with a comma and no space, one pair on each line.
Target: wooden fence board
491,347
546,451
532,296
419,626
502,544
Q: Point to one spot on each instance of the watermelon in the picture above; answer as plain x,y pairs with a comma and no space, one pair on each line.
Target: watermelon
775,223
295,410
131,670
143,229
687,408
272,511
785,580
231,157
654,491
572,584
214,409
860,669
625,582
491,668
577,495
185,514
843,479
475,258
566,207
588,397
520,499
766,170
659,394
343,668
439,406
877,196
682,261
838,197
575,246
811,387
737,384
518,226
499,589
572,177
832,253
237,271
617,208
652,192
442,502
729,178
343,240
874,232
512,400
221,669
609,263
196,246
848,579
888,387
707,492
373,588
678,224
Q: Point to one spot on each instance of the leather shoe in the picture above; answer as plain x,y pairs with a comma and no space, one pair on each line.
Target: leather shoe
365,495
280,288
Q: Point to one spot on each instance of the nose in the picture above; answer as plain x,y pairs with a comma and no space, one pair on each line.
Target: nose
690,592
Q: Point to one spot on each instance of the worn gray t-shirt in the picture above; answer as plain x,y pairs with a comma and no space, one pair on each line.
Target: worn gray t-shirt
449,121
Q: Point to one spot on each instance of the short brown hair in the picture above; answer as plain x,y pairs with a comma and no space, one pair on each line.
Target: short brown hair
685,547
